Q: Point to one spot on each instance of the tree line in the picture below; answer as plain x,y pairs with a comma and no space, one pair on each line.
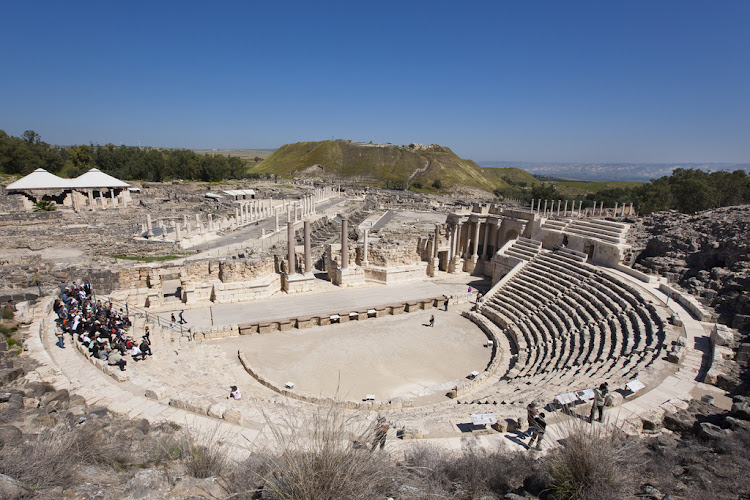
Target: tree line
686,190
23,155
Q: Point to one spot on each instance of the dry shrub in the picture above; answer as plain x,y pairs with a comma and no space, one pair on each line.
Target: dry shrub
204,454
323,463
442,474
54,457
595,462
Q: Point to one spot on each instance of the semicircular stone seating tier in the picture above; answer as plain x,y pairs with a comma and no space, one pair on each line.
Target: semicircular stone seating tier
571,326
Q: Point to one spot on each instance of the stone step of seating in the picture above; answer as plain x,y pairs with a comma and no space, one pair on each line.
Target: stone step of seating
584,231
605,226
574,254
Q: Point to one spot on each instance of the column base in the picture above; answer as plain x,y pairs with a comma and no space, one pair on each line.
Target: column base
297,283
455,265
351,276
433,267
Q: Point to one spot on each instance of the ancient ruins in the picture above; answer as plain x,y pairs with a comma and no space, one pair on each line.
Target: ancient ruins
529,302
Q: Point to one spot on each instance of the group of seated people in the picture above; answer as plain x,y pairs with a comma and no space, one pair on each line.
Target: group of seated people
99,327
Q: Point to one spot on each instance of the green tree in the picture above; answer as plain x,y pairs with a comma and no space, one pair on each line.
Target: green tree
80,156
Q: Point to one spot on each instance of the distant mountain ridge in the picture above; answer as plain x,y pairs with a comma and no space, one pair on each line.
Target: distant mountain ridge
611,171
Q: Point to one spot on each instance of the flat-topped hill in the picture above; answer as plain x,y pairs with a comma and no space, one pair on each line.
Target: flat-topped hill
389,165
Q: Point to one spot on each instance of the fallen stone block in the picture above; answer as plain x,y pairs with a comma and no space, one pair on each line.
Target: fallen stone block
652,421
119,375
233,417
708,430
216,411
613,399
156,393
741,410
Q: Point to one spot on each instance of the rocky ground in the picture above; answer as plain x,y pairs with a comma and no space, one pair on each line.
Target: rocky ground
707,254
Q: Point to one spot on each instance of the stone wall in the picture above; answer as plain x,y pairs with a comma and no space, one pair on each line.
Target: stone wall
402,253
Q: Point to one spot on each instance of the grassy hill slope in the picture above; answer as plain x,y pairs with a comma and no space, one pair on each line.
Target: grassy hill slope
512,175
380,164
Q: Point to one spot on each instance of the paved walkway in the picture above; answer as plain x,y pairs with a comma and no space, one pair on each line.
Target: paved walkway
256,229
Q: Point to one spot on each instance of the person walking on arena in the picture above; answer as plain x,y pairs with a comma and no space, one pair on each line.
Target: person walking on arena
182,317
432,320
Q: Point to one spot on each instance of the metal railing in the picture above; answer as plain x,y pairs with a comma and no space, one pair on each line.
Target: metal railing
149,317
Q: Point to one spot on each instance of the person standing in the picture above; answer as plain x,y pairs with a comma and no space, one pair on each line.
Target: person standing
531,413
540,426
182,317
381,431
432,320
600,396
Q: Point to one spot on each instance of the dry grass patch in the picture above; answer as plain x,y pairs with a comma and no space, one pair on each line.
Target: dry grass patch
595,462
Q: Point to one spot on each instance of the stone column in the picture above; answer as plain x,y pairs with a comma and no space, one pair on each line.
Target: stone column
91,199
451,248
308,254
364,256
149,229
291,267
236,214
486,238
475,250
630,211
112,195
177,232
565,211
344,243
616,204
435,242
101,199
580,205
545,207
210,222
459,246
277,220
559,204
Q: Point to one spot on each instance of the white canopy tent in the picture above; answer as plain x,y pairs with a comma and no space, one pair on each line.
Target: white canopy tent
76,193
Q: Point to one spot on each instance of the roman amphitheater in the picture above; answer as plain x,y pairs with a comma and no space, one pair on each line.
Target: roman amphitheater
311,296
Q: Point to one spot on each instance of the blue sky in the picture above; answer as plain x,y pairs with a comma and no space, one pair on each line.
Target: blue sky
596,81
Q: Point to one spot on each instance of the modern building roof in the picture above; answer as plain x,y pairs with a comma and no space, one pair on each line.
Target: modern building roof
95,178
240,192
41,179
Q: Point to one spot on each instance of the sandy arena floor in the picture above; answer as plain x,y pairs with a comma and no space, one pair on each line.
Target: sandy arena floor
387,357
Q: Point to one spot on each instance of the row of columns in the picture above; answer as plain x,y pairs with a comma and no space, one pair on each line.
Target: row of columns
598,209
249,211
467,246
114,200
291,257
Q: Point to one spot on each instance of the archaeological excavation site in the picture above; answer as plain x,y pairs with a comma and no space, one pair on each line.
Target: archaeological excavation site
453,319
